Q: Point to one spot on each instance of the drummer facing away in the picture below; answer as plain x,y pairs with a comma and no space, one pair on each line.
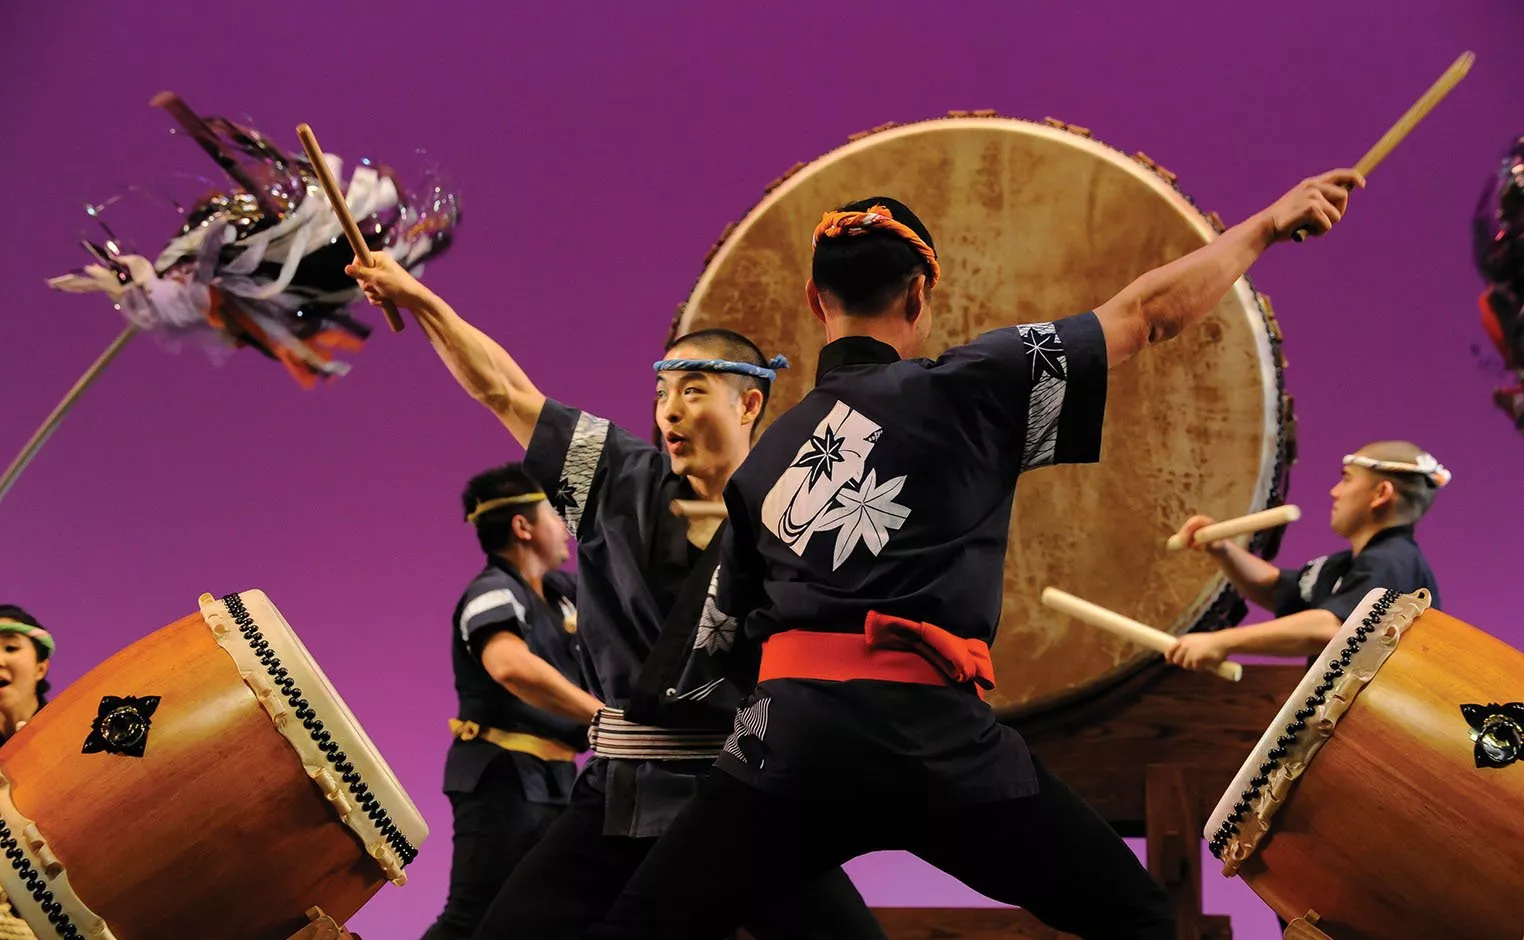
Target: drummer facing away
1384,489
869,528
523,711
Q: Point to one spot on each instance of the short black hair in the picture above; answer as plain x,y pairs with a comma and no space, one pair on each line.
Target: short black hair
12,612
1415,491
494,528
867,272
737,347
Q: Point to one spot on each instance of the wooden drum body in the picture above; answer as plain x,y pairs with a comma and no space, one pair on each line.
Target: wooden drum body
206,781
1032,222
1386,796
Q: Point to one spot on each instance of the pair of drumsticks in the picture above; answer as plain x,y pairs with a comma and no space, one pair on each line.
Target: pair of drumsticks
1158,640
695,509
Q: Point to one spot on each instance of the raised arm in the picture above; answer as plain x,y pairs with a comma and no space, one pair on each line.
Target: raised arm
1160,304
481,366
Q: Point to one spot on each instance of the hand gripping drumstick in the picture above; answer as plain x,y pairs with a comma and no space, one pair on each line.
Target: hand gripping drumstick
1253,522
341,209
1408,121
1124,627
697,509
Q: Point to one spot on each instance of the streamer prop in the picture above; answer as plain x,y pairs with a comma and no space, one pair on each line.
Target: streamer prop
259,264
1498,243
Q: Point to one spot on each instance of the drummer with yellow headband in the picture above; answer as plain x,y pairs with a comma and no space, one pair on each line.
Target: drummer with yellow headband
523,711
1384,489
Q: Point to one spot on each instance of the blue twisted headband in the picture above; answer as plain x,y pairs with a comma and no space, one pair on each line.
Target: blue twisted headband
723,365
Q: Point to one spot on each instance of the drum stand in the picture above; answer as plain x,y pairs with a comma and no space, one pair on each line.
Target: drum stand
322,927
1302,928
1152,755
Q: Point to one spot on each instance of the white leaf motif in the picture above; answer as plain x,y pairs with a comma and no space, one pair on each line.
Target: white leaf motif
716,630
866,513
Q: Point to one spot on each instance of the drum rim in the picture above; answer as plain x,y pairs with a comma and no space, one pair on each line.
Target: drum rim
1214,604
19,834
1383,614
393,835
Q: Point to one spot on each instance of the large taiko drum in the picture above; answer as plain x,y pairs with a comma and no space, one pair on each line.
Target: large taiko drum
1388,794
206,781
1035,221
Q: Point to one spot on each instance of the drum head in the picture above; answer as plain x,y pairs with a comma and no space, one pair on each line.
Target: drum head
1034,222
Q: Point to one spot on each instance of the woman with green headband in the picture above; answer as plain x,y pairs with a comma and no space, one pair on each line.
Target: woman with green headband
26,651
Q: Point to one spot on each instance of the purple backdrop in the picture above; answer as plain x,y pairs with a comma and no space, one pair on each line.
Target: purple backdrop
599,155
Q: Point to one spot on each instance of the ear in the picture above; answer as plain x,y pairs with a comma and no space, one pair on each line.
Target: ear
1385,494
751,406
42,668
917,297
812,294
523,528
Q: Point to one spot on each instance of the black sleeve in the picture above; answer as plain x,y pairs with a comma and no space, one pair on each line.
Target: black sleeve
489,608
574,455
1041,387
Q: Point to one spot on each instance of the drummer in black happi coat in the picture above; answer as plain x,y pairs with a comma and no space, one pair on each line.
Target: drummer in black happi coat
867,552
655,650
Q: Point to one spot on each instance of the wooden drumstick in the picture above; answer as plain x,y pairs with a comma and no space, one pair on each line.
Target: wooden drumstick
698,509
1253,522
341,209
1408,121
52,421
1124,627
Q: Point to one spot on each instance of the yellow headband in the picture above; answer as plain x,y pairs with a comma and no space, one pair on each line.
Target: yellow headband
491,504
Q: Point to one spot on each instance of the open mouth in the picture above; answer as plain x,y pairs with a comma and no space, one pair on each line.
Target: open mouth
675,441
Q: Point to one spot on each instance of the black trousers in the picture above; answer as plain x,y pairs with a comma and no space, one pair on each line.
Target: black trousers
495,827
734,848
576,872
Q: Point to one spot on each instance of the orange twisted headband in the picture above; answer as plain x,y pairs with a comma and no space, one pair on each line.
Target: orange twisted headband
837,224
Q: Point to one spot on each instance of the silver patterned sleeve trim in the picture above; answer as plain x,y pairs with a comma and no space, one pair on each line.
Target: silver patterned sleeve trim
580,466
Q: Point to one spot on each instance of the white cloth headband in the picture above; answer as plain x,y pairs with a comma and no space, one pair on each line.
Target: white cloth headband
1423,464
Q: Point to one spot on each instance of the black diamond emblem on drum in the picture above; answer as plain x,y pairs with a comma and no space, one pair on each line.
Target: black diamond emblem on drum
121,726
1498,731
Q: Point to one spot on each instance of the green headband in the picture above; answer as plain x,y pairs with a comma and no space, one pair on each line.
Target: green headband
38,635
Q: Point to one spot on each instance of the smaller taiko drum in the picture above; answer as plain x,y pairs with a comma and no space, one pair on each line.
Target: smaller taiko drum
1388,795
206,781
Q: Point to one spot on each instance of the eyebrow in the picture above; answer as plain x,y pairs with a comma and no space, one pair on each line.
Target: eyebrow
661,377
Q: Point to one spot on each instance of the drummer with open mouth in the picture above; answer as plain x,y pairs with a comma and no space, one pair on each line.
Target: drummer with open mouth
26,651
669,669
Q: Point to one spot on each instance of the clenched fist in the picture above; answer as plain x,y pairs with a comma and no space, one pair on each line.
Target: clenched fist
1316,204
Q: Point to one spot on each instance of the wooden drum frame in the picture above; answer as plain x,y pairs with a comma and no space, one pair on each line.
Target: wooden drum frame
205,781
1387,797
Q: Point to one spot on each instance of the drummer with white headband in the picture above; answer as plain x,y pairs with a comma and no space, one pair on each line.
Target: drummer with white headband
1385,488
